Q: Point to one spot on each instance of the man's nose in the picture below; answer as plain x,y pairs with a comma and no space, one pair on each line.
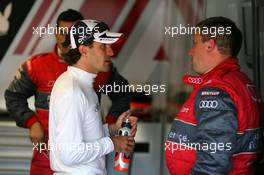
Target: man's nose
109,50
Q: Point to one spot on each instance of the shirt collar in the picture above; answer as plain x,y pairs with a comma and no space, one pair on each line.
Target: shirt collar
82,76
57,54
230,64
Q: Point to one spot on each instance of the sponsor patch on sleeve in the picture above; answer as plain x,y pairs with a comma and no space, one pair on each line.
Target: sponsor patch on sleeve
210,93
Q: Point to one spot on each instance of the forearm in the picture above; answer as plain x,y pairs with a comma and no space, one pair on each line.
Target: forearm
19,110
77,153
16,95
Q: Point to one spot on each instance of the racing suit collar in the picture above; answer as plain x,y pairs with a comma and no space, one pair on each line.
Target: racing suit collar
57,53
82,76
230,64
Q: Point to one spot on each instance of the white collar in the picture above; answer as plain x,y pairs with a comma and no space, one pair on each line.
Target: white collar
83,76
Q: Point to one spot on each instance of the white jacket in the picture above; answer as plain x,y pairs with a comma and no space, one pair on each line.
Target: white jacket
77,138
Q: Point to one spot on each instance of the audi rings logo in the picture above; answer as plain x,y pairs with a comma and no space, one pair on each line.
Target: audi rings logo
195,80
209,104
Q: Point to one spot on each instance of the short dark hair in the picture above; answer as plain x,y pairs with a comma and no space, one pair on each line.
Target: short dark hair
69,15
73,55
227,44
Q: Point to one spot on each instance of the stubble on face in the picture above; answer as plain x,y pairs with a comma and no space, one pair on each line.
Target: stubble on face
100,57
197,54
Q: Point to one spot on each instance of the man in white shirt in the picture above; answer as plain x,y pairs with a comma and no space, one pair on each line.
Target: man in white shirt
78,139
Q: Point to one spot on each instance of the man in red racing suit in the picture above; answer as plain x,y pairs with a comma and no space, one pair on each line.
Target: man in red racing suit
219,128
36,78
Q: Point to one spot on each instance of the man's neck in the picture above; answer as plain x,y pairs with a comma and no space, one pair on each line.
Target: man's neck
81,64
217,62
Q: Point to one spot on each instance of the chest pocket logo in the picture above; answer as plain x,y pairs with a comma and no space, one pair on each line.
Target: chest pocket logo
208,104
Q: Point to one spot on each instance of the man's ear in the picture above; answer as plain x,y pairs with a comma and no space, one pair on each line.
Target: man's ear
82,49
210,45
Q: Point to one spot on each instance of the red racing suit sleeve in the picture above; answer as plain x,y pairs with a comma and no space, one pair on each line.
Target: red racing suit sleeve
216,117
16,95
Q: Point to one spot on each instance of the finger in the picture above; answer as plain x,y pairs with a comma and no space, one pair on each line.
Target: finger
41,139
130,138
133,133
131,142
129,148
133,124
133,119
124,114
134,127
128,153
33,140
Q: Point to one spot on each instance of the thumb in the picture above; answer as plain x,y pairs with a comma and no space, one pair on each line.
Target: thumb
124,115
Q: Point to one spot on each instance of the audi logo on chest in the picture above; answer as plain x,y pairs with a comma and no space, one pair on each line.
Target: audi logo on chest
195,80
209,104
